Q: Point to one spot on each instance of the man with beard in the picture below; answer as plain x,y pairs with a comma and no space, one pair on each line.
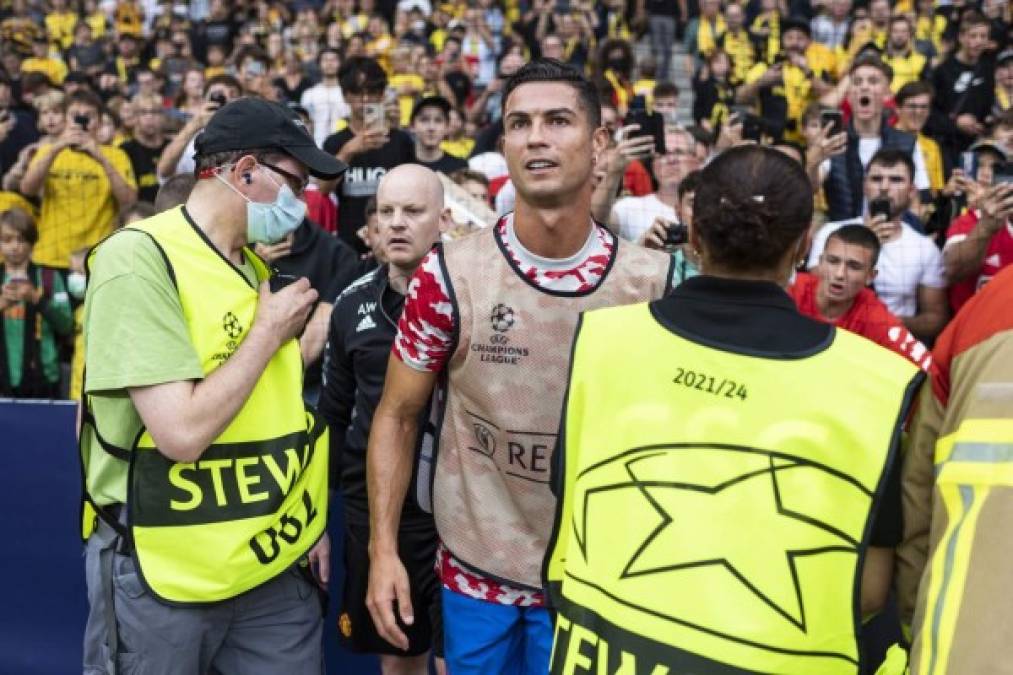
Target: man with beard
910,279
867,133
907,64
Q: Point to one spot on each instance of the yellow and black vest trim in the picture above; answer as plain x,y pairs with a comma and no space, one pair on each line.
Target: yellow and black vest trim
716,506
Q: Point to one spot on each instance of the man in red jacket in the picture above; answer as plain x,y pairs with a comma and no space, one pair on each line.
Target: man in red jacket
839,293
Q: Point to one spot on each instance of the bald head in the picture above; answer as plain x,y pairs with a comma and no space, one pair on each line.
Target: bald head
409,207
421,182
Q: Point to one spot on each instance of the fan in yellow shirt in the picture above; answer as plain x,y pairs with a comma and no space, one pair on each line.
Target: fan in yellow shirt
42,62
82,184
60,22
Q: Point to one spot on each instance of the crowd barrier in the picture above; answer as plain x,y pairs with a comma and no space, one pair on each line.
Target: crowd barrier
43,603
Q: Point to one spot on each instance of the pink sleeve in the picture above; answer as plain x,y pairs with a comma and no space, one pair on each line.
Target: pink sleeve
425,332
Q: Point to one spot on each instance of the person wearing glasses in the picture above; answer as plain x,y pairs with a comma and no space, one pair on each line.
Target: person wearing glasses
207,472
914,103
632,217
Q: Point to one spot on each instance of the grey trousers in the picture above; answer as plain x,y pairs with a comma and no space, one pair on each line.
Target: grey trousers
275,628
662,32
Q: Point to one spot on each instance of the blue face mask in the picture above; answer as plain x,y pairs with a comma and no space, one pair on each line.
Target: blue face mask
270,222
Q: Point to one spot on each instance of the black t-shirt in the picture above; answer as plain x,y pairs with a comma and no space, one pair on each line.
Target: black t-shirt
330,266
460,84
760,319
363,177
24,133
292,93
87,56
144,160
447,164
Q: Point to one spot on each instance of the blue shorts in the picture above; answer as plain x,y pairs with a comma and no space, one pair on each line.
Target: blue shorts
486,638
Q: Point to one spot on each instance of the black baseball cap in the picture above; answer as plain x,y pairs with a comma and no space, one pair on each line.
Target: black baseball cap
253,123
430,102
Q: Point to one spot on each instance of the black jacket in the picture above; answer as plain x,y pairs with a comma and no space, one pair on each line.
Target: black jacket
330,265
844,187
362,331
960,89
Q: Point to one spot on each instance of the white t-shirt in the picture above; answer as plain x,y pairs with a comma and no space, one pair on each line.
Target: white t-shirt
867,147
905,263
634,215
326,105
186,163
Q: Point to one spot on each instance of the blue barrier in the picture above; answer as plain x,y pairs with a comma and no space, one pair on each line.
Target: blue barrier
43,603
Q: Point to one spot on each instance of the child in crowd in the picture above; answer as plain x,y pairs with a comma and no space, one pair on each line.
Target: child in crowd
34,310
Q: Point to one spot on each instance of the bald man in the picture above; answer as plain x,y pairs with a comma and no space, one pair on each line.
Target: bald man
362,330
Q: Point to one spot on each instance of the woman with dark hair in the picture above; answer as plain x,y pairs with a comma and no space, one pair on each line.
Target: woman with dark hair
728,494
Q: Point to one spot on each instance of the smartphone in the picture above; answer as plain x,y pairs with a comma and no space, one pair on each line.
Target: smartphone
752,127
375,117
676,234
833,117
880,206
968,162
651,124
279,281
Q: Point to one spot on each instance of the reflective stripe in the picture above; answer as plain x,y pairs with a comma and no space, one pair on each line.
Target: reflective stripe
982,452
963,505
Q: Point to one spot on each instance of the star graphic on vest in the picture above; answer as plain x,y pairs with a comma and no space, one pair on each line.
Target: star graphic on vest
739,524
731,521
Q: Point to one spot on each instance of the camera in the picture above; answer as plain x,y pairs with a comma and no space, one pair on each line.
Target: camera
880,206
676,234
752,125
82,121
218,98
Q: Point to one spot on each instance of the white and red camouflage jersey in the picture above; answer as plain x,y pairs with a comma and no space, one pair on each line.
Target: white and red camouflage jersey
426,329
425,338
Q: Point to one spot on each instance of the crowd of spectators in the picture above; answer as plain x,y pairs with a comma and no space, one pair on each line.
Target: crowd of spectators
898,110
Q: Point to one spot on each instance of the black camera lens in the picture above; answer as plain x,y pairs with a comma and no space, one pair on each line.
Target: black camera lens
82,121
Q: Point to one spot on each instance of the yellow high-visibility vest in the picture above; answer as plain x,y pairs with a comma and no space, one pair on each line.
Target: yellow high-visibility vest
256,500
715,506
972,465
